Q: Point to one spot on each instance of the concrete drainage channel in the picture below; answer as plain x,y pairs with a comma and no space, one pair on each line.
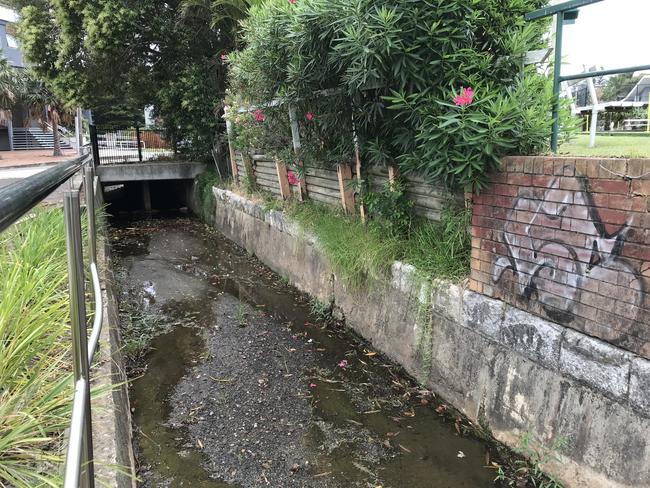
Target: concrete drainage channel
245,386
248,385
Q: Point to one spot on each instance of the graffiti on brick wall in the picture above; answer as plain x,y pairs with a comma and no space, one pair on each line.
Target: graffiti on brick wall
558,249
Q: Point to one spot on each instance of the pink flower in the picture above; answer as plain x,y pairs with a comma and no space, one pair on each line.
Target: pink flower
312,385
465,98
259,115
343,363
292,2
293,179
310,116
223,57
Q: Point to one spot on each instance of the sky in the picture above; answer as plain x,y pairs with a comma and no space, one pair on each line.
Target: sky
608,34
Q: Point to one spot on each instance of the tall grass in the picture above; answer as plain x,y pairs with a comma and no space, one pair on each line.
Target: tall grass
35,350
357,251
441,249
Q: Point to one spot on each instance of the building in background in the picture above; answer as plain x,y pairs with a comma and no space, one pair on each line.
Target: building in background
20,132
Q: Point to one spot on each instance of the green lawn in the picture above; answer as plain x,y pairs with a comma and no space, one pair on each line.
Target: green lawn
606,145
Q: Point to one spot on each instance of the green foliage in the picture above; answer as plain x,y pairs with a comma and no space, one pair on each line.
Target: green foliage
356,252
204,195
35,350
360,253
319,310
390,209
389,70
118,56
618,86
441,249
529,470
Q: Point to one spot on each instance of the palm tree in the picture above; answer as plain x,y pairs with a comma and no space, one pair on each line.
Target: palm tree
43,106
8,90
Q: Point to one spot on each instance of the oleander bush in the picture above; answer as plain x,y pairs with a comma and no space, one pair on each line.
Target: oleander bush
392,72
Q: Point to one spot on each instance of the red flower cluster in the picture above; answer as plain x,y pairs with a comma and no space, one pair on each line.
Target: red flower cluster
465,98
293,179
309,116
259,115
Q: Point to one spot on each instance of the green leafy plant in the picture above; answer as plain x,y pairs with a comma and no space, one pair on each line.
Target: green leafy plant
35,350
320,310
441,249
386,73
390,209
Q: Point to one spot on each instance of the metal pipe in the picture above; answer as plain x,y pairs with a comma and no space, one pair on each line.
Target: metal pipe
73,455
99,312
605,72
557,67
89,190
554,9
18,198
72,218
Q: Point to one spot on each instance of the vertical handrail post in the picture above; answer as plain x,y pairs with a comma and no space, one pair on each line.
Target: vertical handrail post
557,69
72,218
89,190
137,135
94,144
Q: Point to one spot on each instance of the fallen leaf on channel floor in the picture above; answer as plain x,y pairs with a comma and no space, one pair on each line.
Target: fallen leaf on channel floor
404,448
200,444
460,454
370,353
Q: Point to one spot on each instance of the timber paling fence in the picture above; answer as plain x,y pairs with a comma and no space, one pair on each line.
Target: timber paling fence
16,200
331,186
335,187
324,186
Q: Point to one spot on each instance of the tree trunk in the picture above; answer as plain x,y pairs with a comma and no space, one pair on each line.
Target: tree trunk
55,133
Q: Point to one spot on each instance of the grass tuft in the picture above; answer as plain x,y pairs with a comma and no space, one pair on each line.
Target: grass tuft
35,350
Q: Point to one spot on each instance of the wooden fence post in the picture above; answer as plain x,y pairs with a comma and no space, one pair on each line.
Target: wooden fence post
344,172
392,174
283,180
250,170
357,157
231,149
295,136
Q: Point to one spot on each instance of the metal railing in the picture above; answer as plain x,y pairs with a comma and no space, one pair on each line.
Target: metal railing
16,200
124,145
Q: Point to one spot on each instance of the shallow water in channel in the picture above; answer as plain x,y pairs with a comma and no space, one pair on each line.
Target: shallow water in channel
247,386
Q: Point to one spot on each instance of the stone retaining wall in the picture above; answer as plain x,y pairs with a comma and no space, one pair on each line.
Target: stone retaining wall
496,363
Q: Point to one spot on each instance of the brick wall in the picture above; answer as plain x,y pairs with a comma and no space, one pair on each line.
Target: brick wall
569,239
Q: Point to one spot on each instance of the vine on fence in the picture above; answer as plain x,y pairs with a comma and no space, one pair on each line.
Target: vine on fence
388,72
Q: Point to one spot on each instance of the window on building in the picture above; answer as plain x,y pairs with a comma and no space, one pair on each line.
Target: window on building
11,41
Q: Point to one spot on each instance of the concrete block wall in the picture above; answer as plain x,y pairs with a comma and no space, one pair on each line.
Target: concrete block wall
568,239
495,362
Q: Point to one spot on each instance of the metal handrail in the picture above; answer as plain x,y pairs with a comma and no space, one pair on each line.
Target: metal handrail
74,454
16,200
99,309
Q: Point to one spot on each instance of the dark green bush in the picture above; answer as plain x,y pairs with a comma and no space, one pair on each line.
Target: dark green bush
390,70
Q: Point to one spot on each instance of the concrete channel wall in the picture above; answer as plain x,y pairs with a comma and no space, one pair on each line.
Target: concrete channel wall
496,363
112,435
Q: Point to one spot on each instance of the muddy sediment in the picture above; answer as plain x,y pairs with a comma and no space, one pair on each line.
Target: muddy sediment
245,387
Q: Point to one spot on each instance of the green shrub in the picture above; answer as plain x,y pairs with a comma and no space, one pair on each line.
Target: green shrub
35,350
441,249
358,252
390,70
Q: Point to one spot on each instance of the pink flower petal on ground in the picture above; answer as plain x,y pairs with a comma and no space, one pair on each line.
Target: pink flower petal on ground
343,364
312,385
